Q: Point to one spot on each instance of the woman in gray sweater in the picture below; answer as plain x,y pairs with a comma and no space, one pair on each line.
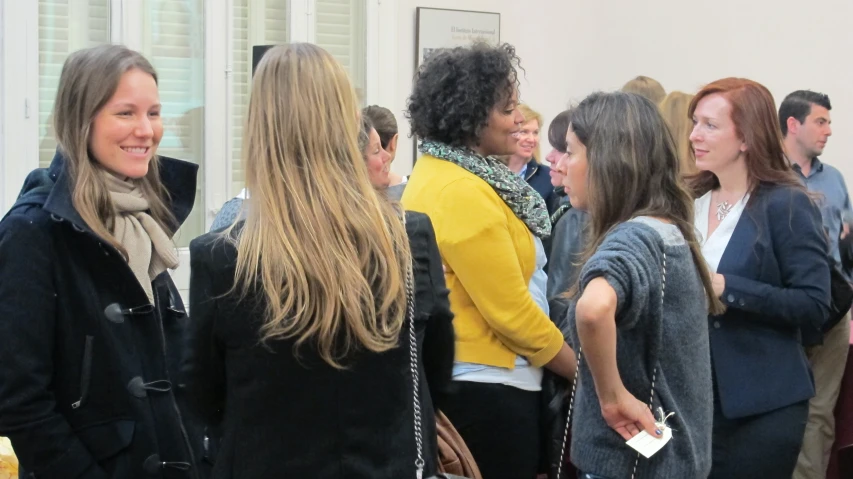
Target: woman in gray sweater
643,296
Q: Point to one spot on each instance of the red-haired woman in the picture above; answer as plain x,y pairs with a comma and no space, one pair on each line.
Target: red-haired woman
763,239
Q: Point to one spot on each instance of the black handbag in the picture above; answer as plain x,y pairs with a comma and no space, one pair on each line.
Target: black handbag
841,298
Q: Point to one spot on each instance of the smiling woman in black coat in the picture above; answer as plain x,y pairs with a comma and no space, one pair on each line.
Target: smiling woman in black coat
300,342
90,320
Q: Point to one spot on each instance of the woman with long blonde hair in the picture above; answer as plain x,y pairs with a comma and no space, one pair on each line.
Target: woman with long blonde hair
303,303
674,109
527,160
90,318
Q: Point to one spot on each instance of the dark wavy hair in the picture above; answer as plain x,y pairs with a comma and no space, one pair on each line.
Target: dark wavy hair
456,89
557,131
383,121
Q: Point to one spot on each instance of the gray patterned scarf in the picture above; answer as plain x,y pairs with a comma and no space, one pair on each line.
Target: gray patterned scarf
521,198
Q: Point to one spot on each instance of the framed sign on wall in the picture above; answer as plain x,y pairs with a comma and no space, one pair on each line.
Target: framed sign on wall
438,28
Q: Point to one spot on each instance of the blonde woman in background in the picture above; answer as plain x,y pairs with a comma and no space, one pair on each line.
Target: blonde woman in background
299,347
674,109
525,162
646,87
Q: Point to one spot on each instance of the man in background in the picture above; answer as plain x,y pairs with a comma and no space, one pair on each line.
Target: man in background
805,121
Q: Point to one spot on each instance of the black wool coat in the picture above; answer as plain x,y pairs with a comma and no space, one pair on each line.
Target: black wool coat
284,416
88,365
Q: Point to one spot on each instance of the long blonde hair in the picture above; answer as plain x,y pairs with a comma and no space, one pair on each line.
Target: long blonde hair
89,78
674,109
326,252
530,114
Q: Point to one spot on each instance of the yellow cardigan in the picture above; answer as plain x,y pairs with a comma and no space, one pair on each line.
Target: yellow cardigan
489,257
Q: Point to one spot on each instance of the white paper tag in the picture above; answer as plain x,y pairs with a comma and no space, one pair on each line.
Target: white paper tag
648,445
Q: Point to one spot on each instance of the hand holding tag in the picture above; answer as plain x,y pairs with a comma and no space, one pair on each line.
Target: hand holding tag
627,415
648,445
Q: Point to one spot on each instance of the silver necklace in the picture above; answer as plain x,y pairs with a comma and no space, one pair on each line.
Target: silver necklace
723,209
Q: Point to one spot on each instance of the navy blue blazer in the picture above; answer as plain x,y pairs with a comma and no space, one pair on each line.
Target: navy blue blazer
776,268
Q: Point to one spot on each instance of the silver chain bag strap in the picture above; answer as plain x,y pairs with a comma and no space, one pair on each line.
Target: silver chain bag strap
413,365
577,378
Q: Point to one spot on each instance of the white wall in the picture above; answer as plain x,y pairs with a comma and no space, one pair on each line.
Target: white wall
786,45
571,48
526,25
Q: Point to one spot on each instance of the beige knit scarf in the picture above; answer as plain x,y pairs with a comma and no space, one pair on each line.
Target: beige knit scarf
149,249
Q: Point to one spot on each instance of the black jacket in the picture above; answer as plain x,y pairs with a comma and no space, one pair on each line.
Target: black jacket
566,249
845,247
538,176
564,253
87,364
287,417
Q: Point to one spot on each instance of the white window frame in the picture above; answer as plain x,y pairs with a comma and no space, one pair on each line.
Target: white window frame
19,96
382,52
19,93
381,44
19,86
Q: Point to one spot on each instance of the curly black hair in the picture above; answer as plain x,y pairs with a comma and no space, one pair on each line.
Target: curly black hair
456,89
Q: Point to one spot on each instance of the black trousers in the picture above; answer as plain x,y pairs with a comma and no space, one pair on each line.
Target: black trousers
764,446
500,425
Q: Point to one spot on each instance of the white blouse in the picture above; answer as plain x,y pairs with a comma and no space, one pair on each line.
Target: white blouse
714,246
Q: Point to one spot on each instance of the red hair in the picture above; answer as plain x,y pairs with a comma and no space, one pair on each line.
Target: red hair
757,125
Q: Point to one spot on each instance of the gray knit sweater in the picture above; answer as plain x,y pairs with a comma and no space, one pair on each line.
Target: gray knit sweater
671,338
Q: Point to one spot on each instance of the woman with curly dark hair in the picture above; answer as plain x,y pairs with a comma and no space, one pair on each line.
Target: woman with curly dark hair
489,225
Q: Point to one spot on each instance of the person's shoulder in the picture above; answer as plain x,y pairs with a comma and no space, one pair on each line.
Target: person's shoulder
641,237
215,248
775,196
395,192
831,170
542,172
27,232
418,228
639,227
26,219
467,191
790,206
654,228
442,180
543,169
228,214
835,174
416,220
